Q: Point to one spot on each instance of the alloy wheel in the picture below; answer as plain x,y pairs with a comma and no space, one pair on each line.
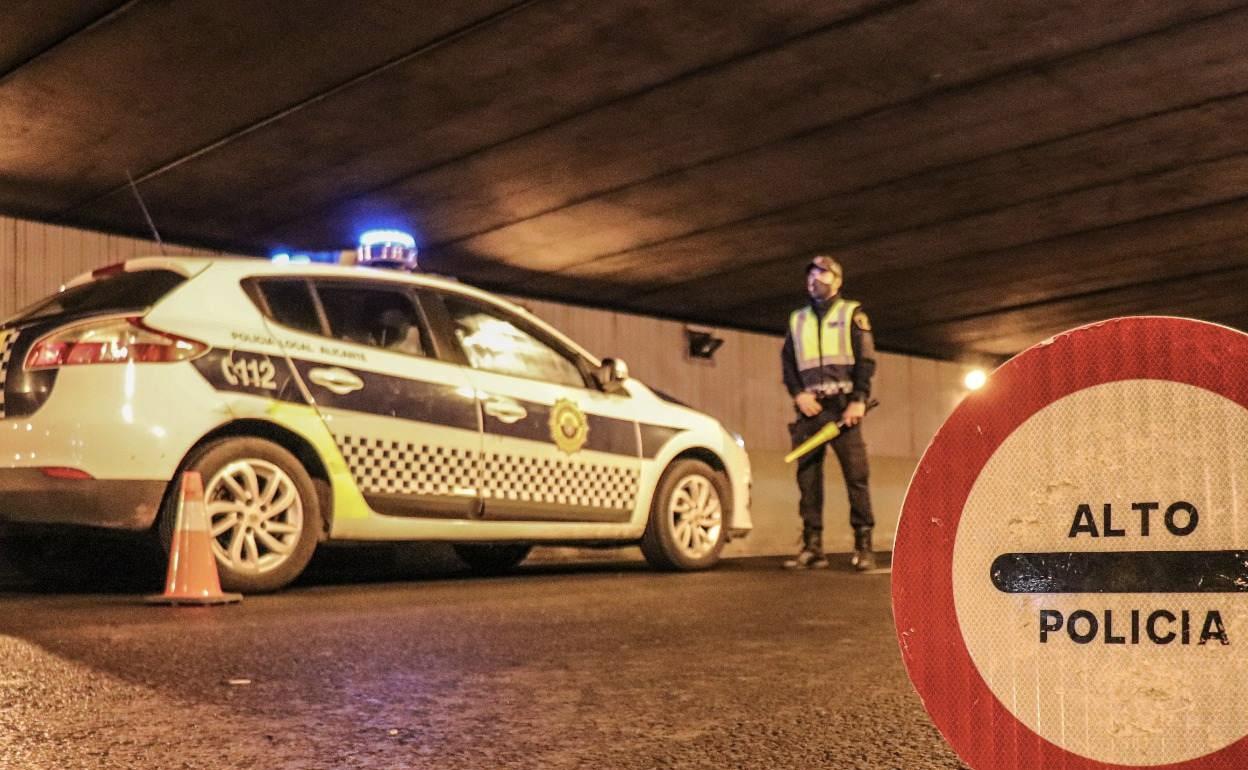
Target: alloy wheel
255,515
696,515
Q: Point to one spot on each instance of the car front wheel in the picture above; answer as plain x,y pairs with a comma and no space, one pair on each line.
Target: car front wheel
263,514
686,529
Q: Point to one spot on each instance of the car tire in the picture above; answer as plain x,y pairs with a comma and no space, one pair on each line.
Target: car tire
262,542
687,527
491,559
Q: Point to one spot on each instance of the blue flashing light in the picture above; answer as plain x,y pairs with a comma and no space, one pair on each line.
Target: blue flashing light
303,258
376,237
387,248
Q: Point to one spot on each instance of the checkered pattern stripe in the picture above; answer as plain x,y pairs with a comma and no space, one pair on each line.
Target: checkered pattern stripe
6,352
381,466
562,482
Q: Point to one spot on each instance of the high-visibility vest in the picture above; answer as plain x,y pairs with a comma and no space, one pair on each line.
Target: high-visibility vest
823,348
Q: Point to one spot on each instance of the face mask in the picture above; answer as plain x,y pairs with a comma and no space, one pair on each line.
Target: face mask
821,284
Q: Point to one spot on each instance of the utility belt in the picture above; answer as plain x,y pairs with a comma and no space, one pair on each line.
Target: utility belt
830,390
833,405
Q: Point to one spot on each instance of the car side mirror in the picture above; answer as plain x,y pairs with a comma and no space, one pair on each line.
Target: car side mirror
611,375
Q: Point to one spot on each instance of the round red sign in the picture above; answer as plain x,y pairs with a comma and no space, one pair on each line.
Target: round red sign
1071,564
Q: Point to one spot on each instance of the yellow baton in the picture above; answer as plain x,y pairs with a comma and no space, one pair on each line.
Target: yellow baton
826,433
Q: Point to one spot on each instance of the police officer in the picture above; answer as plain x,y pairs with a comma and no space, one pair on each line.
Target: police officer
828,360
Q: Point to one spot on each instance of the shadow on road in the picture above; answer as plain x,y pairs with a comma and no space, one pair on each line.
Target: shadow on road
131,566
124,566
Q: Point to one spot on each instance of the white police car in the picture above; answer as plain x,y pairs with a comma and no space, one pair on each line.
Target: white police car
325,402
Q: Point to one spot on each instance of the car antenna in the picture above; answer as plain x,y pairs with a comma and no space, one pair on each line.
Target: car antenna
143,207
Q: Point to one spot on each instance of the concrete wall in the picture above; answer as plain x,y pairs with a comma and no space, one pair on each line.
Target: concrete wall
36,258
741,385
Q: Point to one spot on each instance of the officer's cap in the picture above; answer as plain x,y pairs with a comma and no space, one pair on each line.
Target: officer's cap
824,262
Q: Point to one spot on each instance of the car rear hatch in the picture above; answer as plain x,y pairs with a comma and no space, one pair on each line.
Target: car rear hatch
124,289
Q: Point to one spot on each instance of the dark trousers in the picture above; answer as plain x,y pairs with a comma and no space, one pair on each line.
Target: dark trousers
851,451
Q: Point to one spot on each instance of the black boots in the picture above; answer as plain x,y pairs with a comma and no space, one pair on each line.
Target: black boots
811,556
864,557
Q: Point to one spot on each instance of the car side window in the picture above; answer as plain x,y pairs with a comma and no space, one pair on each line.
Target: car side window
290,303
494,343
375,316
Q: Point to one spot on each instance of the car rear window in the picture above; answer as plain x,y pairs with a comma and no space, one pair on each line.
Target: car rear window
117,293
378,317
290,302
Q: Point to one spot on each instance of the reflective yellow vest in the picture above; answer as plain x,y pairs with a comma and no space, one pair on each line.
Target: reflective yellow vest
824,352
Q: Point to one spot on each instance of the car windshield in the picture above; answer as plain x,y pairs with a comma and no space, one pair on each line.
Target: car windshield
117,293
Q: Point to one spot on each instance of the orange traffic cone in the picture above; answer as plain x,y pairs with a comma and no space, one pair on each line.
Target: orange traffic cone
192,575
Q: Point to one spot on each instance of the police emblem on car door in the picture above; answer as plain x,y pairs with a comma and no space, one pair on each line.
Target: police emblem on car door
406,423
552,447
569,428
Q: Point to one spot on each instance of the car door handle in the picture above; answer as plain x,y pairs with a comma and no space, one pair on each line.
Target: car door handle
336,380
505,410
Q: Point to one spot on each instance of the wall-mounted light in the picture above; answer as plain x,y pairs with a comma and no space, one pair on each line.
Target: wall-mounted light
975,379
701,344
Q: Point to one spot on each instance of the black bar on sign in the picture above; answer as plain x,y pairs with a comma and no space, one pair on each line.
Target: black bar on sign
1122,572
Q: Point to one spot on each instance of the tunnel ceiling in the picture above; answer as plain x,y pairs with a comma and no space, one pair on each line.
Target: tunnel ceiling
989,173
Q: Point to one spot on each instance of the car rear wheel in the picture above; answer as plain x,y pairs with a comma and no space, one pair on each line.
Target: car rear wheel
686,529
492,559
263,514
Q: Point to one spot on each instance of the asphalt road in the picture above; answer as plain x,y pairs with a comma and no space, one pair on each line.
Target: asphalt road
585,666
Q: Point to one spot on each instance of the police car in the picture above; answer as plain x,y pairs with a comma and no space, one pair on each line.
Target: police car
345,403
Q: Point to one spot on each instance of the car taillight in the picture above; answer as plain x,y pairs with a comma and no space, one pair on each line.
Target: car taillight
110,341
59,472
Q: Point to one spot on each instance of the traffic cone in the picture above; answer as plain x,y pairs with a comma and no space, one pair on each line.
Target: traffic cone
192,577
